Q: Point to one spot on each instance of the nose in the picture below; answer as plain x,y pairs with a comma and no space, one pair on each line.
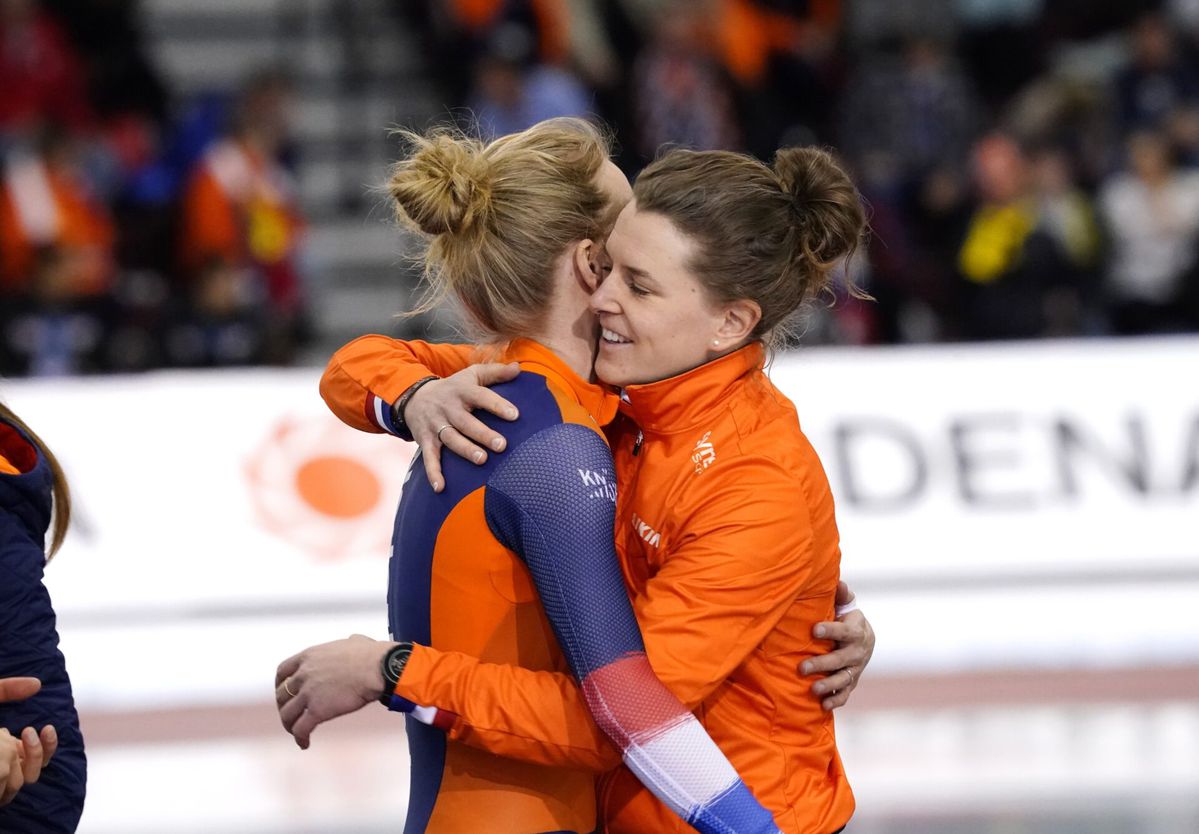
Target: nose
604,300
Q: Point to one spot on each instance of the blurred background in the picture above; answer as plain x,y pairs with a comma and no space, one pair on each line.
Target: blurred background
191,222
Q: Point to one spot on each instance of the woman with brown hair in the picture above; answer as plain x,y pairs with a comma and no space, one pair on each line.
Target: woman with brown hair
724,523
47,791
471,561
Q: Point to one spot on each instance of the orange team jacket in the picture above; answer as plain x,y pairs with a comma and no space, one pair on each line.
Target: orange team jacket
730,552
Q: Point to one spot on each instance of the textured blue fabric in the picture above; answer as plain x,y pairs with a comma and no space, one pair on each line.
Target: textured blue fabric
735,812
553,502
419,520
29,647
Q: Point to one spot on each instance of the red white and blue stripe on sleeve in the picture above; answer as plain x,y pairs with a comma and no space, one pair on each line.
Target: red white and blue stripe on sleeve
552,501
378,412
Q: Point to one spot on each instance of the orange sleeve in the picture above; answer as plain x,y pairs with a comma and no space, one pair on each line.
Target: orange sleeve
383,368
742,559
518,713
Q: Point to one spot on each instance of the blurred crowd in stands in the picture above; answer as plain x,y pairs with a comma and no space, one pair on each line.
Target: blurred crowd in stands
137,231
1031,166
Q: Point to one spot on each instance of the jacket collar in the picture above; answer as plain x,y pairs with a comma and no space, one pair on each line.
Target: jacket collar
599,400
26,495
682,402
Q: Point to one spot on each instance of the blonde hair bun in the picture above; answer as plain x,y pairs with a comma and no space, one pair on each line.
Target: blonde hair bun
495,217
444,186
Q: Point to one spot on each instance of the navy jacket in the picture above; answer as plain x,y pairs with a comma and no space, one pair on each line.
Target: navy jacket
29,646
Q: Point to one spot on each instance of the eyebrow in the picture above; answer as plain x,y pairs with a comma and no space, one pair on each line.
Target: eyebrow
638,273
632,271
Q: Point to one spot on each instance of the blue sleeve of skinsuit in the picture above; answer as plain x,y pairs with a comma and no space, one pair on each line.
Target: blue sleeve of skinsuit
552,501
29,647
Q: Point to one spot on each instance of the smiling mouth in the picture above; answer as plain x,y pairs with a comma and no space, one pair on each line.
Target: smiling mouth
613,338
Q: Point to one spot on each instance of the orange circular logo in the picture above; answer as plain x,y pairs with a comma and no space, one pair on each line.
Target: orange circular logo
327,488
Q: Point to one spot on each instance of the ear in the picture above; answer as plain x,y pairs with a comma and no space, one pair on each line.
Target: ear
738,321
585,259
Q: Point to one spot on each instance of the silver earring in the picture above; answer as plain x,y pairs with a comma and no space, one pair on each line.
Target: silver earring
715,343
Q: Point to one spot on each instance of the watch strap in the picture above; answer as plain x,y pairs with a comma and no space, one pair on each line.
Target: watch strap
397,410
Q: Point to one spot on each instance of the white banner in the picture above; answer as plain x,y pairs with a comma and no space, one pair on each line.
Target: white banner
1010,461
226,489
960,461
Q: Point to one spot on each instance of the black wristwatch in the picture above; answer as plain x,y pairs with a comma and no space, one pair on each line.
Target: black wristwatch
393,666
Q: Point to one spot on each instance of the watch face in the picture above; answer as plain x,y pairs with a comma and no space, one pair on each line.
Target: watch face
396,659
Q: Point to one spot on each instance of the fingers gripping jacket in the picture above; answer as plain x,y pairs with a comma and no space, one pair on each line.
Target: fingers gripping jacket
553,502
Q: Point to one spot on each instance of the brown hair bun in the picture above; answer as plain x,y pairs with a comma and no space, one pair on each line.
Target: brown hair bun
828,213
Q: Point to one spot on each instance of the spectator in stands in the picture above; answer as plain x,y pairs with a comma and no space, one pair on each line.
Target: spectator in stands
547,20
1067,218
1157,80
46,201
1152,216
221,326
41,76
134,340
905,116
147,200
51,330
129,99
1013,263
240,211
512,91
936,216
780,55
908,122
679,91
121,79
461,32
1182,127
